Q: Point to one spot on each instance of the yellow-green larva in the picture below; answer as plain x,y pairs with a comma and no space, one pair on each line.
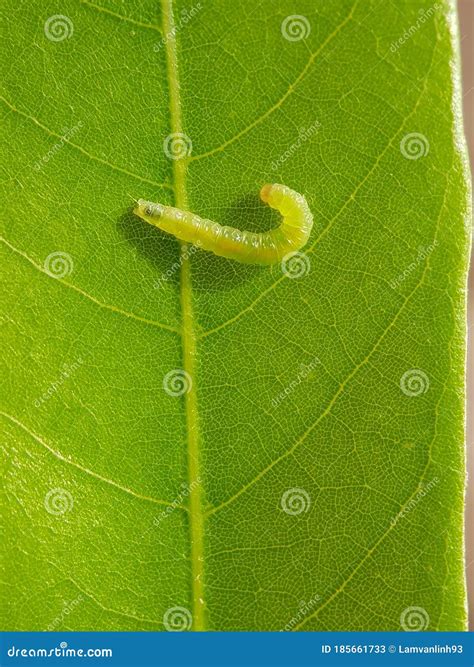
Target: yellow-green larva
247,247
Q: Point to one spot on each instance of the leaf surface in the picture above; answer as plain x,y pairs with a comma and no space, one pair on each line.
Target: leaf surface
309,473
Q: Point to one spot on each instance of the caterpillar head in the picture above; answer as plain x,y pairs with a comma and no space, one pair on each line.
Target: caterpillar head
148,210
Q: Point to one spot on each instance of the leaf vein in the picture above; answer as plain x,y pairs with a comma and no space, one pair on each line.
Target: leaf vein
95,158
284,97
114,309
127,19
88,471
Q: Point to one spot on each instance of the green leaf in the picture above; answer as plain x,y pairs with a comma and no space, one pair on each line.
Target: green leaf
195,443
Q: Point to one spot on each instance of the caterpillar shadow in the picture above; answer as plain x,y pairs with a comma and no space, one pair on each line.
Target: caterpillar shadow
210,272
214,273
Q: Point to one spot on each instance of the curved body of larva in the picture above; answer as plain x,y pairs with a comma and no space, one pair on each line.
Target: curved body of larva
247,247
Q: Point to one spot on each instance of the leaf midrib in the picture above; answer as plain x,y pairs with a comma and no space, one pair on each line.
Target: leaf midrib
196,517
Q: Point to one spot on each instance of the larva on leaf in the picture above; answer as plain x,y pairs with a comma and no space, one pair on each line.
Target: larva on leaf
246,247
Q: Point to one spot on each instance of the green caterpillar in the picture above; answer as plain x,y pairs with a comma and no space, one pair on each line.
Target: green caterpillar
246,247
